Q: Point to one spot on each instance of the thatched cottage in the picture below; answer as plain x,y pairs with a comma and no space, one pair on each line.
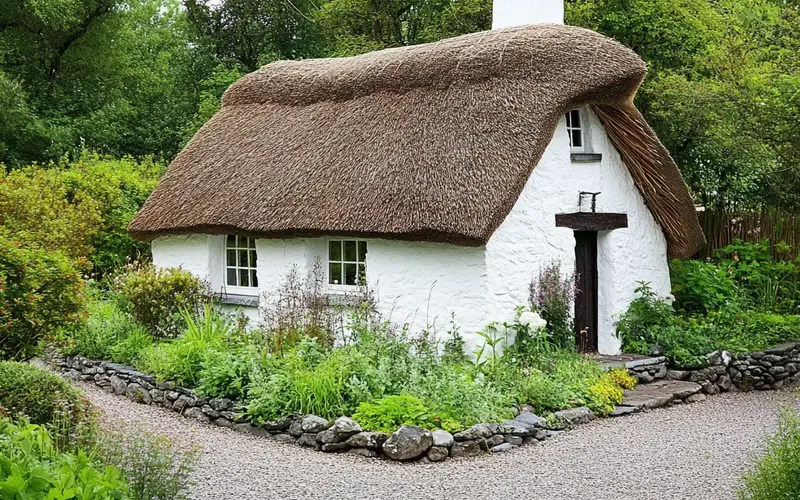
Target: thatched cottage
445,175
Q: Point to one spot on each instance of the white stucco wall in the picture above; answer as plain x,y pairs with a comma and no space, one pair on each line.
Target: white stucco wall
528,238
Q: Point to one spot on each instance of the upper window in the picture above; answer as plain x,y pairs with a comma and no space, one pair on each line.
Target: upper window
240,262
347,262
577,137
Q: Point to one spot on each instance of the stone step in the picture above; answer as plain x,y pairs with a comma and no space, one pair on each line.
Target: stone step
658,394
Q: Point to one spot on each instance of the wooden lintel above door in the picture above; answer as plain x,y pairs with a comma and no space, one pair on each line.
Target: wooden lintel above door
592,221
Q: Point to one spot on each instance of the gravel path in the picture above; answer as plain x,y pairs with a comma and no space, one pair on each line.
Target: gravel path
696,451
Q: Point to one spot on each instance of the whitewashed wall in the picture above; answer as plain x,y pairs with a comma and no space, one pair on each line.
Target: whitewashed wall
528,238
423,284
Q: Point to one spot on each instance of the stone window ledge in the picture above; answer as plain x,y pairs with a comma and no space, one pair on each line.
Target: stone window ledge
586,157
238,299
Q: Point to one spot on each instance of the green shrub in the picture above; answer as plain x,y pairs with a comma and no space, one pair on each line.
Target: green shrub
552,295
159,299
31,467
227,374
108,334
153,467
45,399
700,287
40,293
604,395
181,360
776,475
89,204
390,413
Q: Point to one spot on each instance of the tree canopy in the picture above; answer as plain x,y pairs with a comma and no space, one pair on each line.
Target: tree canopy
139,77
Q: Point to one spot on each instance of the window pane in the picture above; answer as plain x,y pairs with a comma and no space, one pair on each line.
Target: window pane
350,251
253,278
230,241
334,274
252,242
244,277
335,250
252,258
569,119
231,259
576,118
577,140
350,274
242,258
231,277
362,251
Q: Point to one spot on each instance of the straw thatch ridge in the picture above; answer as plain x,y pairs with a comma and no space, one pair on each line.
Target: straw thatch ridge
655,175
426,143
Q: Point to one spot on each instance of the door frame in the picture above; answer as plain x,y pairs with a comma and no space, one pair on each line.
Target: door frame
586,226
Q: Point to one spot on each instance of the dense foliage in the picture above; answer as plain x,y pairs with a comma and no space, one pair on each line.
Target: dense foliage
32,467
162,300
46,399
776,474
52,448
742,301
40,293
138,77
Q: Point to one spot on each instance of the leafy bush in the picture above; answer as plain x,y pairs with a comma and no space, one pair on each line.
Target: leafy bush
89,204
700,287
45,399
389,413
776,475
32,467
181,360
159,299
108,333
552,296
622,378
40,293
152,466
227,374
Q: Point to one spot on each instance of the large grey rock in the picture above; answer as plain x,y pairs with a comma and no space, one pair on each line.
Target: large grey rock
576,416
437,453
335,447
197,413
659,394
221,404
622,410
285,439
495,440
182,403
531,419
369,440
157,395
118,385
223,422
465,449
296,429
279,425
408,442
341,430
313,423
520,429
442,439
211,412
309,440
136,392
724,383
477,431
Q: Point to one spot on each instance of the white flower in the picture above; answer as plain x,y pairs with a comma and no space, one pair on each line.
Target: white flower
532,320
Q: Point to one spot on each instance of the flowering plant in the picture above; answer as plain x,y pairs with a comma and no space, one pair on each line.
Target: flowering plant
552,295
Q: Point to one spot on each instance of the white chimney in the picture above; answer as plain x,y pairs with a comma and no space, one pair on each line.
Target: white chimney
506,13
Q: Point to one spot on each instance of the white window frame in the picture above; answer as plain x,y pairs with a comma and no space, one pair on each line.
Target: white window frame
582,128
360,262
238,289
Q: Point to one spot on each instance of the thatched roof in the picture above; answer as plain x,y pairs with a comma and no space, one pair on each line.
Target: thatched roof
430,142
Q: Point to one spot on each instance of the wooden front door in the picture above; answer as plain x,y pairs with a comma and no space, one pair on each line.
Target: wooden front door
586,296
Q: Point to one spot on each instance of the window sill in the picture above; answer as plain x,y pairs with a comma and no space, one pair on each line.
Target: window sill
235,299
586,157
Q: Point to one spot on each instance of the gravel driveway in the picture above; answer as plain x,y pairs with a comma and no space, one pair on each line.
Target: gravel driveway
684,452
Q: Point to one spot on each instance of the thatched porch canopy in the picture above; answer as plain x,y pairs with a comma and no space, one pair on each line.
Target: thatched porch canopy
431,142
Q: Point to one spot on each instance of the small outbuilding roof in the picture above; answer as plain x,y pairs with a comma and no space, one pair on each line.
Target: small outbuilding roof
429,142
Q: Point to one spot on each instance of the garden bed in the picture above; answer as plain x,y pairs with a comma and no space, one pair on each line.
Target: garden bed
770,369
